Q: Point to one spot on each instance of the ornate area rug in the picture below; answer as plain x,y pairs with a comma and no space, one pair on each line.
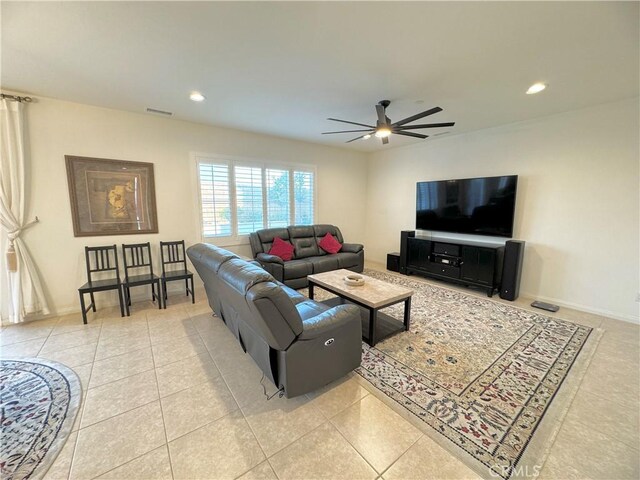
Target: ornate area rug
479,376
39,401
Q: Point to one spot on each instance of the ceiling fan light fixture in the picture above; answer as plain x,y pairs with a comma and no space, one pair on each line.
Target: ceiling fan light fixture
197,97
367,136
536,88
383,132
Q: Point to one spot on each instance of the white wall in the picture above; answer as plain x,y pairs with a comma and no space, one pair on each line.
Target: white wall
577,205
58,128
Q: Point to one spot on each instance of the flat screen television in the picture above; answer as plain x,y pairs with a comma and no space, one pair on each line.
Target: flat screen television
479,206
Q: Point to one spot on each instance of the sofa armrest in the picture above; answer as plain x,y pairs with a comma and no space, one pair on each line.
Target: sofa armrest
265,257
329,320
352,247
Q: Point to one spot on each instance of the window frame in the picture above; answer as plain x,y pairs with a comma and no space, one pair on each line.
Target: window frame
232,161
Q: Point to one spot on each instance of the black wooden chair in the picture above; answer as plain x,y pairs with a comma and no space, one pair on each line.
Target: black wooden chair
175,257
137,256
100,260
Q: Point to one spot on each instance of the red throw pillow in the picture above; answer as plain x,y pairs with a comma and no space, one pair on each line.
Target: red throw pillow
330,244
282,249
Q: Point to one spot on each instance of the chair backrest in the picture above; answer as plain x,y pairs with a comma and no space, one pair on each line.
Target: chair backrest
304,241
101,259
304,238
172,253
137,255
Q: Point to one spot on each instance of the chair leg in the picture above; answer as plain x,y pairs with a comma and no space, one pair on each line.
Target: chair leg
121,301
127,301
84,312
186,286
159,297
93,302
193,292
164,293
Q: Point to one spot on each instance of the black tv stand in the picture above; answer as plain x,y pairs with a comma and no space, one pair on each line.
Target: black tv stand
469,263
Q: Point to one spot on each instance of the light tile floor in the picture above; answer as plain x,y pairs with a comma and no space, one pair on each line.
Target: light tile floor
169,394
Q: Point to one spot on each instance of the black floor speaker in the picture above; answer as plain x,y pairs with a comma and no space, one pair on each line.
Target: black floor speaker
404,234
512,269
393,261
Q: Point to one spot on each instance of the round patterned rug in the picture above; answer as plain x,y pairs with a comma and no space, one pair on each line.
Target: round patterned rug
39,400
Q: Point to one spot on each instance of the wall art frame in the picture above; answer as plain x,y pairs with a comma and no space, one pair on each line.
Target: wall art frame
111,197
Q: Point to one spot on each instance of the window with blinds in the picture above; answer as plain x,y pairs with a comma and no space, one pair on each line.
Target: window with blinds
237,199
303,197
215,199
278,198
249,199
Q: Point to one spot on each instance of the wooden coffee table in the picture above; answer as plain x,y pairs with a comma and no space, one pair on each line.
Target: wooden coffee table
372,296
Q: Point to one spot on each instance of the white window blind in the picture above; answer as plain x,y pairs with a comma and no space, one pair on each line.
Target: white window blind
215,199
237,199
303,184
278,198
249,200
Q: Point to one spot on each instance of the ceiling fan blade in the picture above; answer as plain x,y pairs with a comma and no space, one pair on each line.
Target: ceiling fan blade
385,140
409,134
347,131
417,116
352,123
382,118
428,125
357,138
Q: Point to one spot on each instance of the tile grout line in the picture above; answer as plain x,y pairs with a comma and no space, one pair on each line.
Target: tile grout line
164,425
326,420
266,458
166,444
615,439
81,411
356,450
402,454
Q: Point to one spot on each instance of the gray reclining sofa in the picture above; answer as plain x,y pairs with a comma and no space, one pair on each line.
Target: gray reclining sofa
308,257
299,344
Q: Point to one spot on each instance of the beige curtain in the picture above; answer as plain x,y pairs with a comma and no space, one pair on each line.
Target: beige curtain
21,292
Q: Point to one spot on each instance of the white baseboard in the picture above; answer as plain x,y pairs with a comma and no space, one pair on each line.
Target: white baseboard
75,308
584,308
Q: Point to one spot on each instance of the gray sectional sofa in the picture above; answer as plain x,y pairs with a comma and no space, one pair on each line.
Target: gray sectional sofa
299,344
308,257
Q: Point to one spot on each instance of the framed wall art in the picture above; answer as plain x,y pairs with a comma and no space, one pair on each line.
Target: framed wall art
111,197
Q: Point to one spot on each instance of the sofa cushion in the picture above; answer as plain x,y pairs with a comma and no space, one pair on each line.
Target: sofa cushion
347,259
282,249
325,264
267,236
295,296
329,244
241,275
310,309
321,230
304,241
297,269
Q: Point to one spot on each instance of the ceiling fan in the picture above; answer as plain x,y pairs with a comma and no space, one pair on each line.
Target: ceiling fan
384,127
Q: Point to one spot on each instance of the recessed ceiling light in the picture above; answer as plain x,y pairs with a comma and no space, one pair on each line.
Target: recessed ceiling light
197,97
536,88
383,132
367,136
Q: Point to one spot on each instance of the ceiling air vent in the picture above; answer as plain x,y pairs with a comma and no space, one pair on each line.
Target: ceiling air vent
159,112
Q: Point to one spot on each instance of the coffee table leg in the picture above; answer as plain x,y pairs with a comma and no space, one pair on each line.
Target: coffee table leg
311,290
373,316
407,313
